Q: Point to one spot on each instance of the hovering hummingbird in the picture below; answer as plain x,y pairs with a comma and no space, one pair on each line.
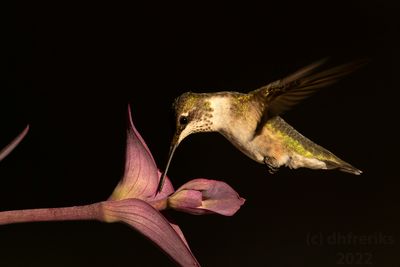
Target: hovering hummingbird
252,122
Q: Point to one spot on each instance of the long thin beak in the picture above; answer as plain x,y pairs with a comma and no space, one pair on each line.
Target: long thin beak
174,145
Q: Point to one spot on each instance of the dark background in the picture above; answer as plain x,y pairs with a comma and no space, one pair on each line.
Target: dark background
70,70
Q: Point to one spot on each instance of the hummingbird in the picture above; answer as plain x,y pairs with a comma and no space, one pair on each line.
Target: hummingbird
252,122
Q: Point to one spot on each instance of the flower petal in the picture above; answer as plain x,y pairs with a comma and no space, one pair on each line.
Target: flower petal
140,179
166,190
10,147
180,233
189,201
152,224
202,196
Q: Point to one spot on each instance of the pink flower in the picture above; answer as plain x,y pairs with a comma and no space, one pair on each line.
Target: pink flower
202,196
135,202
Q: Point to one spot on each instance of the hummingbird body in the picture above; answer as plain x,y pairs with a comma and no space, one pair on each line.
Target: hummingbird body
235,116
252,122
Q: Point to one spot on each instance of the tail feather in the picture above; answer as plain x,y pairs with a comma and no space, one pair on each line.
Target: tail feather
342,166
301,144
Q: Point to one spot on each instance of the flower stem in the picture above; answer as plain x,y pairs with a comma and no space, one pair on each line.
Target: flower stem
87,212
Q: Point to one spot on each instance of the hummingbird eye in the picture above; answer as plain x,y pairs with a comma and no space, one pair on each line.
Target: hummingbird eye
183,120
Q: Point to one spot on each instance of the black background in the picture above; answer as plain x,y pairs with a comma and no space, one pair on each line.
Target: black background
70,71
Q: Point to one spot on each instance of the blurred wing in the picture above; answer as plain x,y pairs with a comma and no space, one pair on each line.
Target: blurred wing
282,95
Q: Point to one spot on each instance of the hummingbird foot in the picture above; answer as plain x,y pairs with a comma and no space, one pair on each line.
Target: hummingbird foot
272,164
272,170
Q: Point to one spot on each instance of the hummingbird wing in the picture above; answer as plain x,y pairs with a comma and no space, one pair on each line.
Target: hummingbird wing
282,95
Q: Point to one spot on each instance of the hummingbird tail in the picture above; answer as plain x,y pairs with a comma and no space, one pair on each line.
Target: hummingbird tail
343,166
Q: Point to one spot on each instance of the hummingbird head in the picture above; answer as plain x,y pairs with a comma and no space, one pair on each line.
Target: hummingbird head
193,114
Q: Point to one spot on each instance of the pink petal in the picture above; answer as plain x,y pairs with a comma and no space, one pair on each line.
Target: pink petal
180,233
10,147
202,196
167,189
140,179
152,224
189,201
